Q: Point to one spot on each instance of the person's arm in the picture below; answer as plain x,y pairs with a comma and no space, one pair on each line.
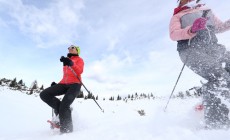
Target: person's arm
78,66
176,33
221,26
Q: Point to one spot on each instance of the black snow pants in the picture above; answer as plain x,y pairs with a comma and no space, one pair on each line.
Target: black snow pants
62,108
210,60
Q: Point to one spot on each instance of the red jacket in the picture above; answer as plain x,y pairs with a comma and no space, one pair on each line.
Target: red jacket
68,76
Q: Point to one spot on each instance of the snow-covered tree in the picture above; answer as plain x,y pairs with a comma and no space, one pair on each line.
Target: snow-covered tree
13,83
20,83
34,85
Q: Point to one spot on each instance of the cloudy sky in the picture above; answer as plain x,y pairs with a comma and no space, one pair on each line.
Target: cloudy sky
125,44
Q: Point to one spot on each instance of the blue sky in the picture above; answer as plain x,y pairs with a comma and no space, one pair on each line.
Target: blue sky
125,44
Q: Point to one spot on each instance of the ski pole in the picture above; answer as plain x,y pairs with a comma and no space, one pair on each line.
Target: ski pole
85,87
175,86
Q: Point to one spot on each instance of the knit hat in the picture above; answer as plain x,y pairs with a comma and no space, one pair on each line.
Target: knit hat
77,48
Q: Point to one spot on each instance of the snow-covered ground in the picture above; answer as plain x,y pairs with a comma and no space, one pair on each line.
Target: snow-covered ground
23,117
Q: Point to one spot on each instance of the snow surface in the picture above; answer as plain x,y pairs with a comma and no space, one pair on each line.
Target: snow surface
23,117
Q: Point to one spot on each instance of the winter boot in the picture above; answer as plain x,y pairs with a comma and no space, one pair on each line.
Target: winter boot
66,121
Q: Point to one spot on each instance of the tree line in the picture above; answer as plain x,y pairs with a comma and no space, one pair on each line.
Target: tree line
20,86
35,89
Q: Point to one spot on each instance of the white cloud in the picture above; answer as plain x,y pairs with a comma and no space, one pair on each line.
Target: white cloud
53,25
107,70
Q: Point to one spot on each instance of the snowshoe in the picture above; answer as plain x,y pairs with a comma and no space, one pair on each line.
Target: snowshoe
54,124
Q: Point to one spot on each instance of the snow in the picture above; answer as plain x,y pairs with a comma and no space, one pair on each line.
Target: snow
23,117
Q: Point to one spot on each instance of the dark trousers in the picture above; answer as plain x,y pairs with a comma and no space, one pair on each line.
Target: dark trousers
212,62
62,108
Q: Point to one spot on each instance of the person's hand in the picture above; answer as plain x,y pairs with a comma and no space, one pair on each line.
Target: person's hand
53,83
199,24
66,61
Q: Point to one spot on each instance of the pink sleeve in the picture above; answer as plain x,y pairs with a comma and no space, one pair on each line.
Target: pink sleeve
176,33
221,26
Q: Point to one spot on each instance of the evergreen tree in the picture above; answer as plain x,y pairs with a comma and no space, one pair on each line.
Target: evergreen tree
118,97
80,95
151,95
188,93
132,96
0,82
90,95
13,83
181,95
20,82
148,96
199,91
111,98
34,85
42,88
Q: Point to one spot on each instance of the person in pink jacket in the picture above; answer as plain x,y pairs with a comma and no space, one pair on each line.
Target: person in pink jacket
194,26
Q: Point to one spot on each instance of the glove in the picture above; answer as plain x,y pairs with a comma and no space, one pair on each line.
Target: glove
66,61
53,83
199,24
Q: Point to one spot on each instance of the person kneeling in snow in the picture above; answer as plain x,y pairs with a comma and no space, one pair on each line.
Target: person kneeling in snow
69,86
194,27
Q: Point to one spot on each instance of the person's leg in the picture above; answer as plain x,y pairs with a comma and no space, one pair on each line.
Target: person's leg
205,63
225,60
64,109
48,96
208,65
224,57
